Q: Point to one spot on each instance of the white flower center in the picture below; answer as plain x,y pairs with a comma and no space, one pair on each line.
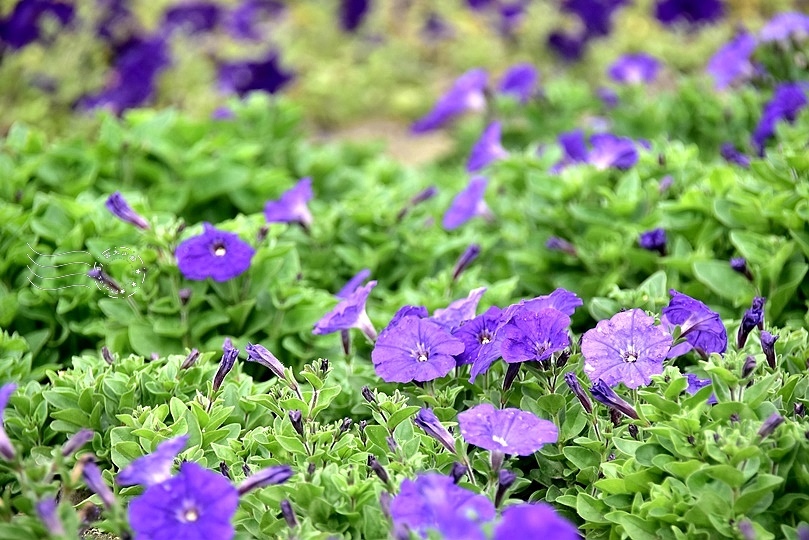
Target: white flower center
630,354
422,357
219,251
484,340
190,515
499,440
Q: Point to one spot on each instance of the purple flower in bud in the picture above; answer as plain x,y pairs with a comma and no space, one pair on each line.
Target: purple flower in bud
769,425
98,274
153,468
418,198
6,448
731,155
353,284
749,367
466,94
428,421
185,295
191,359
92,478
296,417
269,476
378,469
48,511
214,254
753,317
505,479
608,97
349,313
654,240
746,528
458,471
107,355
227,362
665,183
739,264
76,441
573,382
265,75
607,396
468,204
292,207
519,81
259,354
467,257
288,513
352,13
768,347
554,243
368,395
635,69
487,149
119,207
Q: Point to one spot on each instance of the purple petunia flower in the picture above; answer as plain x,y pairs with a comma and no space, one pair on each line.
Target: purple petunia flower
192,17
481,341
153,468
428,421
611,151
22,25
769,425
244,21
461,310
635,69
534,335
519,81
432,502
487,149
607,96
786,26
739,264
260,355
265,75
95,483
695,384
596,15
352,13
569,48
731,64
628,348
196,503
511,16
292,207
419,312
731,155
753,317
76,441
466,94
467,204
120,209
467,258
670,12
560,299
653,240
349,313
48,511
353,283
6,448
509,431
213,254
607,396
534,520
699,325
415,349
787,101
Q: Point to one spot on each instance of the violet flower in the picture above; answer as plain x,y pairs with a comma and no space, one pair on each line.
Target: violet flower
769,425
611,151
607,396
419,312
596,15
574,147
628,348
534,520
352,13
459,311
288,513
535,336
229,356
466,94
481,341
519,81
292,207
695,384
48,511
120,209
787,101
768,347
21,26
349,313
731,155
607,96
753,317
260,355
214,254
732,64
574,385
269,476
92,478
415,349
467,204
670,12
432,502
153,468
353,284
560,299
244,21
264,75
699,325
653,240
487,149
739,264
635,69
509,431
192,17
196,503
428,421
568,47
76,441
785,26
7,451
554,243
467,258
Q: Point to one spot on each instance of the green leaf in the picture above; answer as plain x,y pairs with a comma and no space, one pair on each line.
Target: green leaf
402,414
635,527
582,457
724,281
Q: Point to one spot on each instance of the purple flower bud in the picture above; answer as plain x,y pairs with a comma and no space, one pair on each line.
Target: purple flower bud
191,359
6,448
368,395
48,512
378,469
119,207
615,418
753,317
749,367
246,469
424,195
96,484
361,428
428,421
102,277
505,480
225,365
511,374
768,347
185,296
665,183
554,243
288,513
265,477
384,503
392,446
654,240
739,264
77,440
107,355
746,528
573,382
770,424
458,471
224,469
606,395
465,260
800,409
633,430
259,354
346,424
296,417
561,359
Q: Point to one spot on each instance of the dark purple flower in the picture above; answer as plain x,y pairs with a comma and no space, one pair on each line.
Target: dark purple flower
269,476
349,313
467,257
191,359
245,20
77,440
628,348
6,448
569,48
153,468
739,264
534,520
352,13
769,425
786,26
748,367
22,25
574,145
607,396
534,335
753,317
481,341
511,16
119,207
487,149
428,421
519,81
467,204
229,356
596,15
573,382
196,503
292,207
731,64
479,5
635,69
768,347
48,511
288,513
92,478
433,502
353,283
670,12
611,151
259,354
653,240
213,254
509,431
459,311
700,326
192,17
265,75
607,96
787,101
415,350
731,155
466,94
554,243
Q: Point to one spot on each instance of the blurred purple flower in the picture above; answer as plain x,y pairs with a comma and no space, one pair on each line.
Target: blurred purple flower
223,113
436,28
192,17
428,421
607,396
699,325
6,448
479,5
520,81
196,503
433,502
244,21
670,12
21,26
769,425
119,207
534,335
467,258
269,476
213,254
607,96
459,311
509,431
768,347
349,313
753,317
596,15
628,348
48,511
554,243
611,151
785,26
635,69
264,75
534,520
352,13
653,240
76,441
739,264
95,483
466,94
292,207
467,204
787,101
415,350
153,468
487,149
511,16
569,48
731,64
731,155
260,355
482,341
353,283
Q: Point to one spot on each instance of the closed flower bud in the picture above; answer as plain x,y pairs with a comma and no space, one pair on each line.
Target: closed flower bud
606,395
225,365
378,469
428,421
296,417
120,209
573,382
511,374
190,360
458,471
270,476
505,479
93,480
48,511
77,440
768,347
102,277
800,409
107,355
749,367
739,264
224,469
288,513
361,427
368,395
346,424
753,317
769,425
562,358
465,260
260,355
392,446
185,295
633,431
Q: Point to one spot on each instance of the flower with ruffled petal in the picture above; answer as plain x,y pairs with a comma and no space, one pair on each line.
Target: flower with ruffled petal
260,355
635,69
519,81
786,26
353,283
753,317
607,396
699,325
534,335
534,520
466,94
292,207
487,149
214,254
349,313
459,311
509,431
467,204
153,468
611,151
481,341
